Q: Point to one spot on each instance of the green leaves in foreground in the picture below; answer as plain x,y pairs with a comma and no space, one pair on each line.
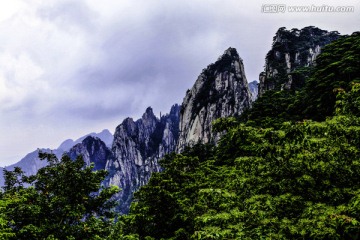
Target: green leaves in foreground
64,200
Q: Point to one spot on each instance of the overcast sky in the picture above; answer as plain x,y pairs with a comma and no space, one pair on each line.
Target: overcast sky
68,68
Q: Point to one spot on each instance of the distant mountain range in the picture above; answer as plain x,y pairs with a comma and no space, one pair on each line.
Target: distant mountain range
104,135
30,164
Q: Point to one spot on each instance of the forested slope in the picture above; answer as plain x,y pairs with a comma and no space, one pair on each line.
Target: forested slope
284,171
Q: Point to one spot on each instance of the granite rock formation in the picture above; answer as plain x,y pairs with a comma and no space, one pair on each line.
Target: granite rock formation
93,150
137,148
292,53
221,90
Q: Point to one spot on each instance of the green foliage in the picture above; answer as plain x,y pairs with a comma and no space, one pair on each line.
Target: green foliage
295,171
5,231
348,103
337,67
300,182
295,181
299,76
224,124
64,200
271,109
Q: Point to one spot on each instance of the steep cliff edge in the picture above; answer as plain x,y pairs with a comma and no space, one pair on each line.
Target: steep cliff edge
137,147
292,52
221,90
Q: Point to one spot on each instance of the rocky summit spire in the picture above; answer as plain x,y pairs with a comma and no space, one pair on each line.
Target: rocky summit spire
291,53
221,90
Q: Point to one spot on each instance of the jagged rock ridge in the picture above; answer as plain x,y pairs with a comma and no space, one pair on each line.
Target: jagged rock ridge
93,150
292,50
221,90
137,147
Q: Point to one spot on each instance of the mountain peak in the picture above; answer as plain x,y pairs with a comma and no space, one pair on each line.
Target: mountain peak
104,135
174,109
231,52
148,113
149,110
227,62
292,49
137,147
93,150
66,145
90,139
221,90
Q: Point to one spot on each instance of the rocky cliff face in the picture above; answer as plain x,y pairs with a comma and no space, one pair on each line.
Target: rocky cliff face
292,52
221,90
137,147
93,150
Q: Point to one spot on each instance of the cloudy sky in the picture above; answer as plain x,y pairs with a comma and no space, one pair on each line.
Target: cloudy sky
71,67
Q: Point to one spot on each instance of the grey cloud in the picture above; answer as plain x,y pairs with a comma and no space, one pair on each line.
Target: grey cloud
97,111
69,14
167,48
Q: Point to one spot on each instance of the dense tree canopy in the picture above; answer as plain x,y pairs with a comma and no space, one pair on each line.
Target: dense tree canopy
64,200
337,66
